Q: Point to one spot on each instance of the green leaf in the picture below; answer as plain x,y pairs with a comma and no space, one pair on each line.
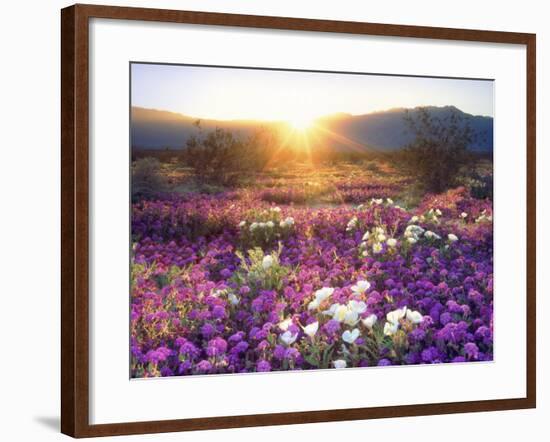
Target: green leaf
311,360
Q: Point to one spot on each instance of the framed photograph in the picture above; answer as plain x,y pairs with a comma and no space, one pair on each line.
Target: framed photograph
272,220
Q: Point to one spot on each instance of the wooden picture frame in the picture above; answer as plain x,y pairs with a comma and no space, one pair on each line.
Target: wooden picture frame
75,379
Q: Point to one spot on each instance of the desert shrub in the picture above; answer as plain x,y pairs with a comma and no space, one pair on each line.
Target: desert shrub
439,150
222,158
147,179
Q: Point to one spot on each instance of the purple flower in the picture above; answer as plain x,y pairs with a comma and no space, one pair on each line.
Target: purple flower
279,352
429,355
445,318
241,347
236,337
332,327
226,273
244,290
263,365
204,366
471,351
208,330
417,335
218,312
189,349
216,347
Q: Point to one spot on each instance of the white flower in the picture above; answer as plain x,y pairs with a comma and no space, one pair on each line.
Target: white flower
324,293
283,325
391,242
376,248
351,224
261,225
389,200
339,363
311,329
365,236
463,215
361,287
275,209
431,235
339,313
381,237
360,206
357,306
267,262
377,201
413,231
395,315
270,224
242,224
253,226
288,338
288,222
411,240
414,219
331,310
438,212
351,317
390,328
369,321
452,237
233,299
350,336
365,253
414,316
313,305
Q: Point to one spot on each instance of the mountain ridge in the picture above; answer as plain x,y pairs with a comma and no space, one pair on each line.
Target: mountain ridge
384,130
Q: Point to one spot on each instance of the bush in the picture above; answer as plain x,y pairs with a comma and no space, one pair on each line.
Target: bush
222,158
147,179
439,150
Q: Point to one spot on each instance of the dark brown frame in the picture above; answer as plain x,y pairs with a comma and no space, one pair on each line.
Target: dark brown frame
74,219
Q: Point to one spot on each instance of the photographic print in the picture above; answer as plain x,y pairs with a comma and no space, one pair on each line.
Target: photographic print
305,220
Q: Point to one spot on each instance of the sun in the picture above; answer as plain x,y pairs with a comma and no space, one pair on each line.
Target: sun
301,123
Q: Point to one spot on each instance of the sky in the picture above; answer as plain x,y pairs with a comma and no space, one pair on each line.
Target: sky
254,94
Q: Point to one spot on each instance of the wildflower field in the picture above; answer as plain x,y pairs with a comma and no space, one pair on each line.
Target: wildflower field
300,268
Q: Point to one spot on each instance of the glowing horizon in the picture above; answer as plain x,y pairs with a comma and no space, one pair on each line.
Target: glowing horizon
300,121
295,97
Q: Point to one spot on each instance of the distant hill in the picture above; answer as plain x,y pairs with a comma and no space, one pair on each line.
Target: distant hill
385,130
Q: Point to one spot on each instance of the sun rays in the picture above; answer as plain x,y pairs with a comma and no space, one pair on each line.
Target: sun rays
301,123
303,135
